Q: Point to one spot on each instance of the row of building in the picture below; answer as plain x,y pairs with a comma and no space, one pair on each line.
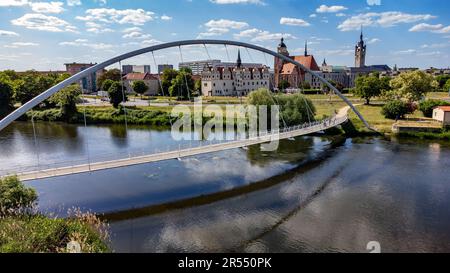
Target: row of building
238,79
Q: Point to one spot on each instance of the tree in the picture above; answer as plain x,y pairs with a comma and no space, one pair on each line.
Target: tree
107,84
447,86
166,80
117,95
140,87
412,86
15,196
395,109
198,87
67,99
296,109
283,84
6,98
367,87
427,107
182,85
112,74
442,80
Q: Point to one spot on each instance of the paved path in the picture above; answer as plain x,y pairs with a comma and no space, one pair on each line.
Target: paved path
295,131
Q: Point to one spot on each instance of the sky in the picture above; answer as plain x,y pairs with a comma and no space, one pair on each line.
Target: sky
43,35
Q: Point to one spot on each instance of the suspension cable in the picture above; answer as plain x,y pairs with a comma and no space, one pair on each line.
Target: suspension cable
86,134
185,77
123,98
228,55
36,144
160,83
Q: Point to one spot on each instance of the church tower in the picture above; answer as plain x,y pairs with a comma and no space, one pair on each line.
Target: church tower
360,52
278,64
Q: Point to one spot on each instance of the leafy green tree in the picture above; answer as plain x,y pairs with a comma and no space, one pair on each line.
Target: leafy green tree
107,84
367,87
166,80
442,80
198,87
283,85
15,196
411,86
182,86
296,109
447,86
112,74
6,98
395,109
67,99
427,107
140,87
117,94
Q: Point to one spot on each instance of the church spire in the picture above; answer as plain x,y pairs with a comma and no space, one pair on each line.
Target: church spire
239,61
361,37
306,48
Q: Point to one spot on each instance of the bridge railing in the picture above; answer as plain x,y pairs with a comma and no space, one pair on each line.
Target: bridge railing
304,129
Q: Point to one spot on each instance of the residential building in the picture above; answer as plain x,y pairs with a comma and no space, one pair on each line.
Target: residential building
126,69
162,67
150,80
442,114
197,67
88,84
234,80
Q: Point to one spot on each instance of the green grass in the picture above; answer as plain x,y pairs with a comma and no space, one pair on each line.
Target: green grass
41,234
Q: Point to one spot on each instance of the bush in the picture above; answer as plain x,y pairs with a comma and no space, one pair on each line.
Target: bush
396,109
428,106
40,234
14,196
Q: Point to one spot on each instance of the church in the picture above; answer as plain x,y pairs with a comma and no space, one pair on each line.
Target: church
285,71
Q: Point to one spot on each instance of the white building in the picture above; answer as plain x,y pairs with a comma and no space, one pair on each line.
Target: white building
234,81
442,114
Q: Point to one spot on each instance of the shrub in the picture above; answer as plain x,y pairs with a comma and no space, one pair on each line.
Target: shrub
14,196
428,106
395,109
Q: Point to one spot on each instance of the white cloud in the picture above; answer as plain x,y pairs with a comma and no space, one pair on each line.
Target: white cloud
6,33
294,22
341,14
13,3
330,9
226,2
132,29
383,19
223,23
47,7
43,22
257,35
440,45
127,16
373,2
150,42
439,28
373,40
338,52
21,44
136,35
86,43
99,30
404,52
72,3
313,15
166,18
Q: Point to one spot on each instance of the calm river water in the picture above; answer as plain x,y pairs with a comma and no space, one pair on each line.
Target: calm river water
315,194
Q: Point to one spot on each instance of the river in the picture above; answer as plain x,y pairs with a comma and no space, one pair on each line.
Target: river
315,194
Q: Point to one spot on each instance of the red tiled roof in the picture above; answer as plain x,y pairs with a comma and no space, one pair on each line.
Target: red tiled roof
308,62
444,108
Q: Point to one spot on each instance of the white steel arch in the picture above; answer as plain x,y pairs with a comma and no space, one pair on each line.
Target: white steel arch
77,77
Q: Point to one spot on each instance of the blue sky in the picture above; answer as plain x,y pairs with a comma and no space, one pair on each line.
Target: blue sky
46,34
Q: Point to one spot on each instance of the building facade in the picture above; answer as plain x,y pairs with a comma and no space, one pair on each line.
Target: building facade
360,52
197,67
162,67
126,69
234,80
286,71
149,79
88,84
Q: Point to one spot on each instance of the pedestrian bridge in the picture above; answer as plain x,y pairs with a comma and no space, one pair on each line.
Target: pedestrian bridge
286,133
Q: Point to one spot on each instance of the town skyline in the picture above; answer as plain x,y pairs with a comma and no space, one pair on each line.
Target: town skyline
45,35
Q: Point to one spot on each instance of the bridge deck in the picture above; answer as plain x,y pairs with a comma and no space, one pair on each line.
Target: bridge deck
295,131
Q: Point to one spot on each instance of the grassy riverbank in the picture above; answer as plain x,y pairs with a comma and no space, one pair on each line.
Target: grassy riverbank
24,230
